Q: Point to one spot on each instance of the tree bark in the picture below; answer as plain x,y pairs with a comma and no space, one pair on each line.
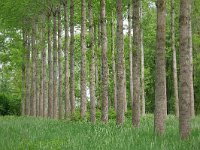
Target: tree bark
185,68
130,50
160,91
50,65
191,62
55,61
60,100
142,69
92,65
175,79
104,62
34,77
72,83
113,62
120,64
83,60
28,77
136,64
66,53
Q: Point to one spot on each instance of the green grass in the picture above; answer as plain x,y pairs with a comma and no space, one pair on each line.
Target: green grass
37,133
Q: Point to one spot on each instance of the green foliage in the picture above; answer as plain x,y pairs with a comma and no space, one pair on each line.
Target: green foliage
37,133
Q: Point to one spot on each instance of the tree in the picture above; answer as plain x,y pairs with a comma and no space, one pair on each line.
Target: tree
104,62
136,63
160,93
66,52
50,65
60,65
120,64
185,68
92,64
83,60
72,83
174,59
55,96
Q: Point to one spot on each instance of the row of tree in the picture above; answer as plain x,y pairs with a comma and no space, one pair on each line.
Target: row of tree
49,88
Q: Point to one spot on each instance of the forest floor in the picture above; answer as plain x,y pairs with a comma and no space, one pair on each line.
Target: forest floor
37,133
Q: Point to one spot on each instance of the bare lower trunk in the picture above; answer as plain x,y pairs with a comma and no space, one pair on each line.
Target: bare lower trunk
113,62
55,98
92,65
136,64
185,68
160,91
60,100
120,64
50,65
28,78
174,59
83,60
37,72
34,77
72,82
104,63
66,52
191,63
130,49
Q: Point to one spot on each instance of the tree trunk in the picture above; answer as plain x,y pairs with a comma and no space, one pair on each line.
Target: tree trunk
185,68
175,79
72,82
55,96
60,100
37,72
136,63
92,65
34,77
50,64
191,63
45,100
28,78
130,50
142,69
66,53
160,91
113,62
83,60
120,64
104,63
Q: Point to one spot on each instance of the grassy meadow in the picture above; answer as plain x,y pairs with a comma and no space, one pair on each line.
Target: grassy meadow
29,133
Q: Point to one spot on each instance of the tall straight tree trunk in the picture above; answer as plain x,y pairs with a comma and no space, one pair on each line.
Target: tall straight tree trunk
60,66
113,62
66,53
83,60
175,79
23,102
28,77
55,94
136,64
37,71
104,62
120,64
185,68
50,65
142,68
41,75
191,62
34,75
72,83
92,65
44,64
130,49
160,91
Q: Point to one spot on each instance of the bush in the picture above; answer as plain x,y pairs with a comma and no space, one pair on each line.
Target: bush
9,106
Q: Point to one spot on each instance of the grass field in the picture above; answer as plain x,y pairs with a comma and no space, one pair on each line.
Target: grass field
36,133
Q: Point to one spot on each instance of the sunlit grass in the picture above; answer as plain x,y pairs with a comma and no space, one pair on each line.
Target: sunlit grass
37,133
